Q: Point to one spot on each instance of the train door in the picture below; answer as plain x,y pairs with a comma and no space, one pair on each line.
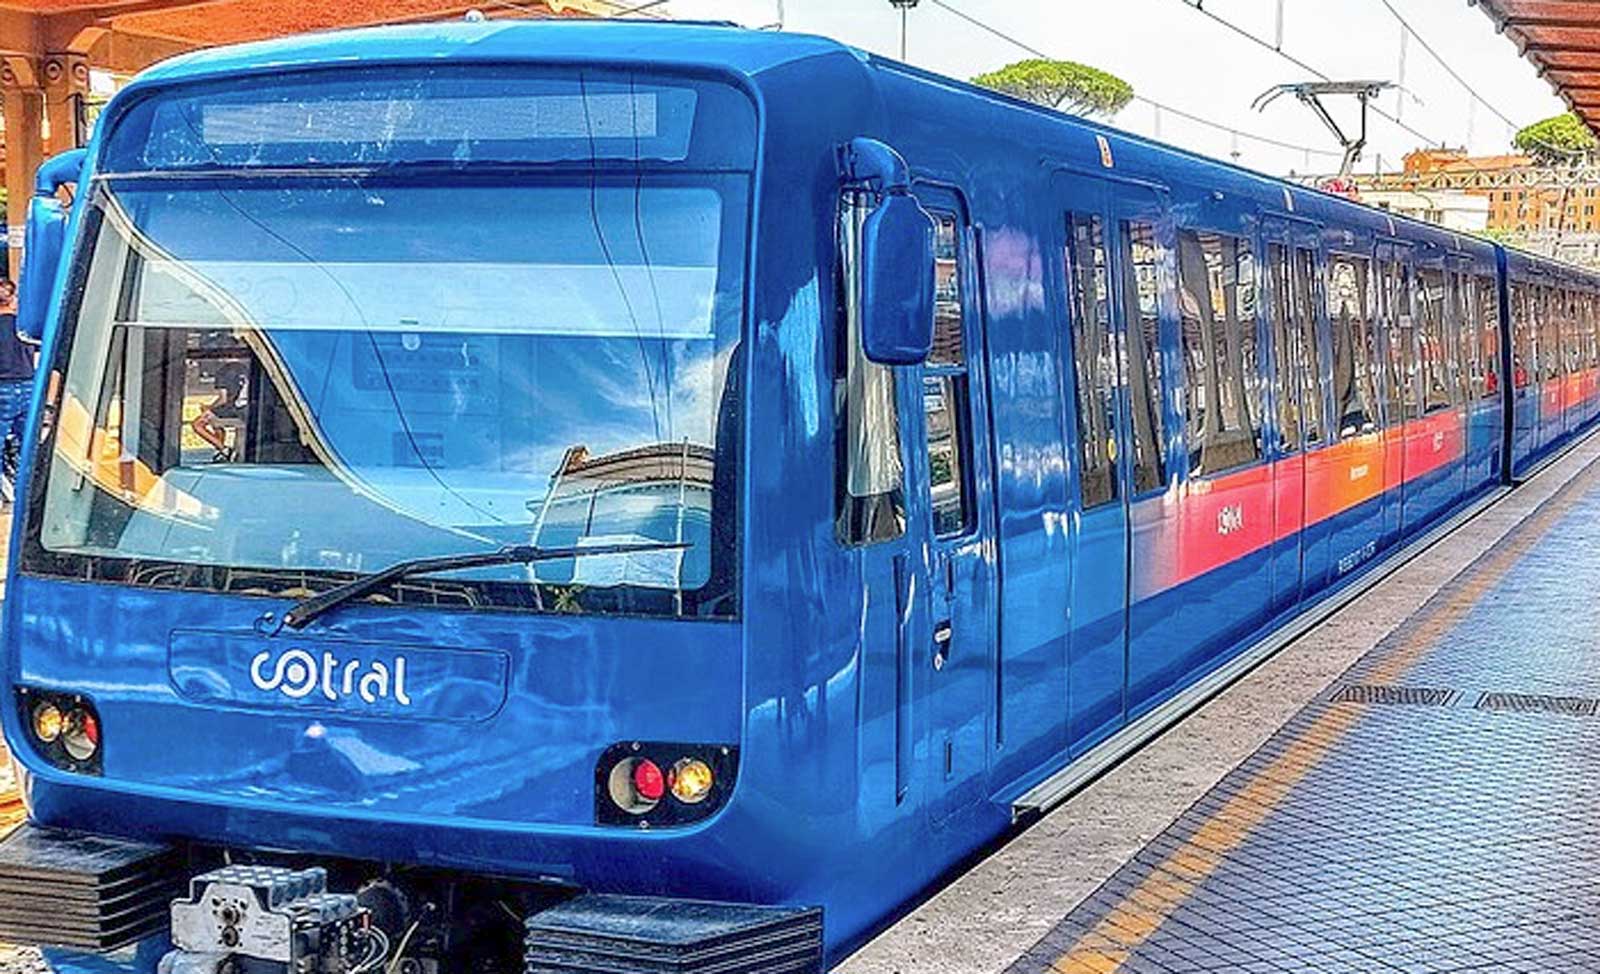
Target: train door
1396,324
1524,372
1460,339
1490,380
1097,669
1144,265
1288,403
959,521
1477,426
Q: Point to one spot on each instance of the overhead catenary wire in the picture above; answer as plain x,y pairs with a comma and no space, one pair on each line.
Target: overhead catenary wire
1452,72
1159,106
1466,86
1262,42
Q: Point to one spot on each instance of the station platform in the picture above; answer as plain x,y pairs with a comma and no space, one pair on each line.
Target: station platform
1412,786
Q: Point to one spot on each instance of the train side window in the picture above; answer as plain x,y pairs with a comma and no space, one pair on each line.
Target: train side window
1217,301
1592,341
1521,335
1308,350
1094,359
1551,362
1569,333
1396,311
1487,293
1586,330
1432,351
1459,326
870,484
1546,347
1285,351
1142,297
945,403
1354,347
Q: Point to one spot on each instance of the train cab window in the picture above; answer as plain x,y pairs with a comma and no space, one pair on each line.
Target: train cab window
1217,301
870,485
1142,297
1394,296
1308,357
1354,347
1486,302
945,402
1094,358
1432,350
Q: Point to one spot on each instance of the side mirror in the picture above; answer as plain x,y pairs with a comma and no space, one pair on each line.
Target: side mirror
43,242
897,241
897,283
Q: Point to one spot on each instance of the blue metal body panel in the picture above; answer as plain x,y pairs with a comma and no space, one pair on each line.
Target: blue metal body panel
846,795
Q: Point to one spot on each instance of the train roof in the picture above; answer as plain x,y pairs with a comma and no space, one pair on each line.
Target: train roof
750,53
671,43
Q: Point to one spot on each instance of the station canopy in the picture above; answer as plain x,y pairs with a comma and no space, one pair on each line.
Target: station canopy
1562,39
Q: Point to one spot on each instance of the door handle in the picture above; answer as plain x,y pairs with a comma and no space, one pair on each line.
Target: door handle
942,633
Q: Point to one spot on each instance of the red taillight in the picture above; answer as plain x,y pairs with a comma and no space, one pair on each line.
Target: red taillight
648,781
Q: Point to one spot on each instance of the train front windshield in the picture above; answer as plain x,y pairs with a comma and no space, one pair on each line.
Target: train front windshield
280,369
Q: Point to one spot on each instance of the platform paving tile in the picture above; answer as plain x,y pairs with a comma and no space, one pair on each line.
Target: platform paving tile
1380,831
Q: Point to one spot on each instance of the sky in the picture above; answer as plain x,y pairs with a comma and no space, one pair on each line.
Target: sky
1178,57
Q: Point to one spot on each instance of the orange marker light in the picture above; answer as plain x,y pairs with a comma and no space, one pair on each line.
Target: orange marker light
48,722
691,780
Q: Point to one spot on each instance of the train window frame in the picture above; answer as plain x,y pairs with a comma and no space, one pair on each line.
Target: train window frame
1546,355
1591,334
1096,399
1357,337
1463,353
1216,324
1397,323
1309,362
951,374
1487,380
1430,299
1523,367
870,468
1285,339
1142,368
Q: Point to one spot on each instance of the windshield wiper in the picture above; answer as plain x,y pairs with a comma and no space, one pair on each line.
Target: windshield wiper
308,609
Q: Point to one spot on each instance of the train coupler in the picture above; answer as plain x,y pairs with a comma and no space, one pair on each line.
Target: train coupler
271,920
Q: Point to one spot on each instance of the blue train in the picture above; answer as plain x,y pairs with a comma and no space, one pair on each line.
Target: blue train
494,481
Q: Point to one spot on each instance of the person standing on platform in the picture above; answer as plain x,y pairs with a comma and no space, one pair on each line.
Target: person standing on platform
16,388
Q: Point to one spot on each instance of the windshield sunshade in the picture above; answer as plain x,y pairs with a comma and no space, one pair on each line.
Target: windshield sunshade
434,115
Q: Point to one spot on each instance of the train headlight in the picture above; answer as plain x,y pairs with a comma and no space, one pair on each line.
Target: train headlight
48,722
692,780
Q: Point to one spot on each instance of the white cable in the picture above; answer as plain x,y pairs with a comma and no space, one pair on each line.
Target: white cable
400,951
377,956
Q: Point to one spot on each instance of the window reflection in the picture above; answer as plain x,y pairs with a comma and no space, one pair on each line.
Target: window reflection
399,372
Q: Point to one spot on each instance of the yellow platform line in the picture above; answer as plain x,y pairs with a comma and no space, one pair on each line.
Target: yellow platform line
1105,948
